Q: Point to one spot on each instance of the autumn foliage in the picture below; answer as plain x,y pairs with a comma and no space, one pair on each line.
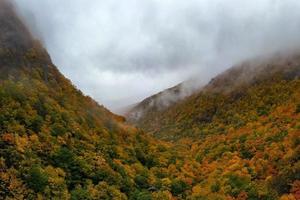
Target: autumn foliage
56,143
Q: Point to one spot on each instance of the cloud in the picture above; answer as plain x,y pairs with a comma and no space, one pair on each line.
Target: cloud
120,52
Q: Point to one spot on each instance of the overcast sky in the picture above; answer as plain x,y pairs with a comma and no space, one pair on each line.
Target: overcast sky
121,51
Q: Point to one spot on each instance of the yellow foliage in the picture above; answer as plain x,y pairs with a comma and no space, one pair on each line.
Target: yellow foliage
21,143
196,189
162,195
288,197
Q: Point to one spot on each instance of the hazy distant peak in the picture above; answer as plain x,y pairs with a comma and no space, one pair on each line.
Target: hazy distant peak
14,35
257,69
162,100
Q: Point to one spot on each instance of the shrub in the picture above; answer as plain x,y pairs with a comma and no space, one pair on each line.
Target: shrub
262,111
80,194
280,185
58,129
215,187
238,184
37,179
246,153
178,187
141,195
37,124
68,161
141,181
107,175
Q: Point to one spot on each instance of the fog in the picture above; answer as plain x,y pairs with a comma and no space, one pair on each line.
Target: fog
120,52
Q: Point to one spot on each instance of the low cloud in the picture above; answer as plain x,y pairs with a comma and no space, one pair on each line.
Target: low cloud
120,52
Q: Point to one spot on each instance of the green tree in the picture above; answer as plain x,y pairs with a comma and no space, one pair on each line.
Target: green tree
178,187
37,179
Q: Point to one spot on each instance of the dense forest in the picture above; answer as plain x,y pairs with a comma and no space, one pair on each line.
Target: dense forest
57,143
232,99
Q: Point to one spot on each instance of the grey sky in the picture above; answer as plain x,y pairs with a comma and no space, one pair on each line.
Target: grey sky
120,52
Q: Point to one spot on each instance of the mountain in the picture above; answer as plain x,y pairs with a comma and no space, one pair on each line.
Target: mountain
158,102
202,107
256,70
57,143
14,34
240,132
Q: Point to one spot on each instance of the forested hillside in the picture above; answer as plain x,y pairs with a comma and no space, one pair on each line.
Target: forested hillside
243,130
232,99
57,143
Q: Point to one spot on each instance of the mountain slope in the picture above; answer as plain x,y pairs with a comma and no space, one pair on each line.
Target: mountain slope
158,102
56,143
241,132
14,35
230,92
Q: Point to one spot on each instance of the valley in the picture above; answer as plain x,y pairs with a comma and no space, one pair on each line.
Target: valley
236,138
